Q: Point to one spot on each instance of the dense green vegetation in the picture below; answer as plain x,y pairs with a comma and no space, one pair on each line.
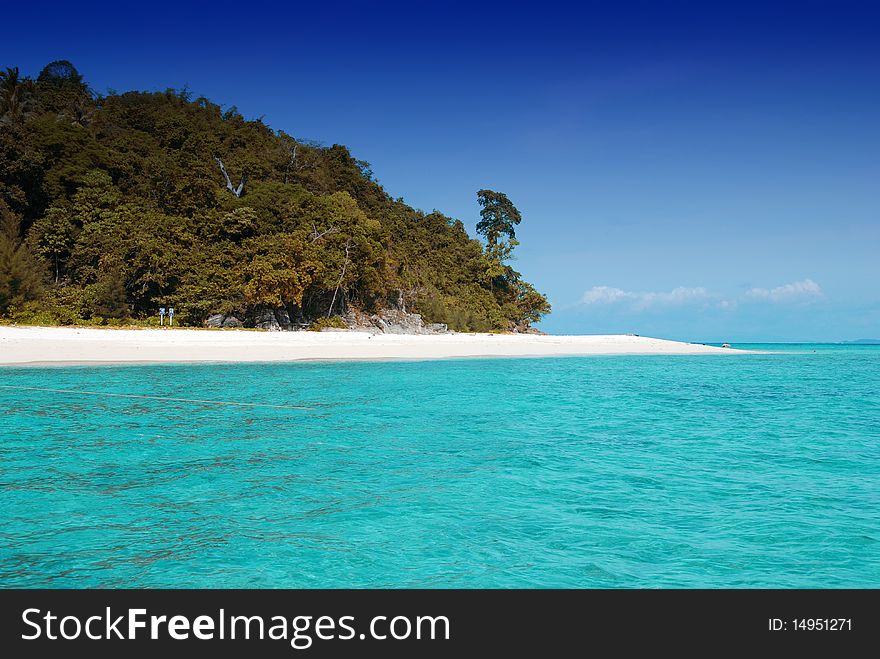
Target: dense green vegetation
113,206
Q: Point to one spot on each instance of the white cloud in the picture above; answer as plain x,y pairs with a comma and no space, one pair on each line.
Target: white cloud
680,295
798,290
604,295
645,299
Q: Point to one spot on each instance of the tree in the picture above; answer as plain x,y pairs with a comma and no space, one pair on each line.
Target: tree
111,299
80,112
498,218
238,223
21,275
234,190
279,271
348,245
120,195
16,97
60,73
60,89
531,305
519,300
54,235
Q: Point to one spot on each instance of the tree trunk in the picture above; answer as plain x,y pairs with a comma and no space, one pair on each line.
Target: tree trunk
341,277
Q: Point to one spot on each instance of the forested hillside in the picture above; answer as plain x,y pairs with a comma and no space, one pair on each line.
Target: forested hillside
113,206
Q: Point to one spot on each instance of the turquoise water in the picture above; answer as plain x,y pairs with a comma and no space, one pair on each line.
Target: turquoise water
661,471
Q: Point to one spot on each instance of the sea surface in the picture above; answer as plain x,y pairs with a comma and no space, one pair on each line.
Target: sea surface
650,471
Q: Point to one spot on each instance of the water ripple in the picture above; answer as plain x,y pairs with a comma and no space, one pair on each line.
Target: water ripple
761,471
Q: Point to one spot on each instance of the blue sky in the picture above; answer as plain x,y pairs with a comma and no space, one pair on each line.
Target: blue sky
699,171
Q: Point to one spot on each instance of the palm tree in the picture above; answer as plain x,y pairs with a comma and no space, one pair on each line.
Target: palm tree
81,111
16,97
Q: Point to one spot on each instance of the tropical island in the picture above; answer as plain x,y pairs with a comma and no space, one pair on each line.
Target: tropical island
147,209
116,206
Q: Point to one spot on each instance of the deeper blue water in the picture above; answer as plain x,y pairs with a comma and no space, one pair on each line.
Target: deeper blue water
655,471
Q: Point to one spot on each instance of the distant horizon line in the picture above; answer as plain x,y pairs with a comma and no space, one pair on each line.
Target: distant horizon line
863,342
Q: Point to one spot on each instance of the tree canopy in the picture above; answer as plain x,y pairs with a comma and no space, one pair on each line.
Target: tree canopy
498,217
115,205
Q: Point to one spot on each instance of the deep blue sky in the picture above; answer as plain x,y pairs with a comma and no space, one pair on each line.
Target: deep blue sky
701,171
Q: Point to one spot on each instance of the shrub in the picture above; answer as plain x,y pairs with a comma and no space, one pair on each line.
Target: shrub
332,322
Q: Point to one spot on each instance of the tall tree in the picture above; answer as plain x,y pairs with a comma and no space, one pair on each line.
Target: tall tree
498,219
54,234
110,296
16,97
519,300
60,73
21,275
60,89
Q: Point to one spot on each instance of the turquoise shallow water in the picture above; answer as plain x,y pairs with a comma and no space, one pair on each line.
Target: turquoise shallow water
662,471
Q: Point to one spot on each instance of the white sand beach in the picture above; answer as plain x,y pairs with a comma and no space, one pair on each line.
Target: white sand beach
69,345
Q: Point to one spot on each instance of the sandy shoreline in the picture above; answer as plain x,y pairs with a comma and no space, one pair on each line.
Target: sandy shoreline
68,345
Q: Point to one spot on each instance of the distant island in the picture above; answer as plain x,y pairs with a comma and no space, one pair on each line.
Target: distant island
116,206
863,342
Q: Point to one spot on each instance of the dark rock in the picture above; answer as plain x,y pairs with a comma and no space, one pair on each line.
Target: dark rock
215,320
222,320
438,328
265,319
283,319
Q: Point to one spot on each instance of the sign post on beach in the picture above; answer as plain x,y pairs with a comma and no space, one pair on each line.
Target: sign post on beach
161,316
170,316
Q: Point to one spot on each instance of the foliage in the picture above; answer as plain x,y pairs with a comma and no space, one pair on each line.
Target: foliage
278,270
53,235
334,322
16,97
498,217
119,201
21,274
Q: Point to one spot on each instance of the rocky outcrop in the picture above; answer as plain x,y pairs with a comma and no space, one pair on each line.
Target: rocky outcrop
273,320
283,319
265,319
523,328
358,321
390,321
223,320
387,321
